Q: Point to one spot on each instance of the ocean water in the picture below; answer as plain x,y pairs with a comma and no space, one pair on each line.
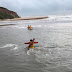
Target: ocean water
53,53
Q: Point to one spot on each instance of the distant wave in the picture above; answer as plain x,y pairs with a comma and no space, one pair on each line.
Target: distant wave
59,17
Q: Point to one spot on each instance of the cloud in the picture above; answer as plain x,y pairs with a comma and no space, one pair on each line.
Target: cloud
37,7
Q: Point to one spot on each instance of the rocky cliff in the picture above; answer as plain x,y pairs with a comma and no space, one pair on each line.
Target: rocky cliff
7,14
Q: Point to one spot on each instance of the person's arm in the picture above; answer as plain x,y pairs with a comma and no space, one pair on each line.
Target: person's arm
27,43
35,42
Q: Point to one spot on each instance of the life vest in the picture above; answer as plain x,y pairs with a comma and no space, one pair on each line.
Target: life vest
30,27
32,45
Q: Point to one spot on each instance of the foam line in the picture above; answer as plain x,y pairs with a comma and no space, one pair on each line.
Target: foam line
7,45
10,45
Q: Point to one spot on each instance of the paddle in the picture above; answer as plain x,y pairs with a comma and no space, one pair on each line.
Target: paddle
31,42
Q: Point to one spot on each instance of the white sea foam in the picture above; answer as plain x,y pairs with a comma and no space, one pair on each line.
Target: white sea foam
37,51
15,48
7,45
19,27
20,53
52,18
59,17
37,26
37,23
29,52
10,45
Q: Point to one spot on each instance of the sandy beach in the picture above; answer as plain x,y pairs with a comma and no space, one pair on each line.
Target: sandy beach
25,18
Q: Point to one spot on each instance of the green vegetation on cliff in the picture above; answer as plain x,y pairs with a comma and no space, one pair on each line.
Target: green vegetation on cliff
7,14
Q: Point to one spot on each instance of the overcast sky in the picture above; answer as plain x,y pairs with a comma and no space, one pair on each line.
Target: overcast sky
38,7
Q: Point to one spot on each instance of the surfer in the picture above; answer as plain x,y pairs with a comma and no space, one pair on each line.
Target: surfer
31,43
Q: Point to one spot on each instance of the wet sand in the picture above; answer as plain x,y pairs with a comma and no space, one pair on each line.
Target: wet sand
25,18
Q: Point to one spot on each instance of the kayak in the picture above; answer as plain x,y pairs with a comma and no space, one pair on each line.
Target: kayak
30,28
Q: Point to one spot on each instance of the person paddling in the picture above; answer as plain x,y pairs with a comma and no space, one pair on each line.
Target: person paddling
31,43
28,27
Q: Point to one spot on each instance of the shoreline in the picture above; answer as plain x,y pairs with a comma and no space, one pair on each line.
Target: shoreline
25,18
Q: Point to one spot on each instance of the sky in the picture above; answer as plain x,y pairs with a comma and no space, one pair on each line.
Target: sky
38,7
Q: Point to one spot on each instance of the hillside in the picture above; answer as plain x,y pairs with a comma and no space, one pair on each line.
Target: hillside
7,14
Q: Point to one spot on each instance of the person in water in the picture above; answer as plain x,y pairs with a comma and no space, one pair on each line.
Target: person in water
28,27
31,43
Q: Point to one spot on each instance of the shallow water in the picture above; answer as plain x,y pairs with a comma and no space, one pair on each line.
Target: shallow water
53,53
